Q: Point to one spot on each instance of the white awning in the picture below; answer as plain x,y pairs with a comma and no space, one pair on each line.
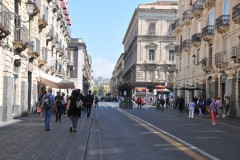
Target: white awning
55,82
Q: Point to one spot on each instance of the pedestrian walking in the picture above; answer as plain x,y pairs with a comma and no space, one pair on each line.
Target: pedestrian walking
195,100
200,106
208,102
191,108
177,102
181,104
171,102
162,103
74,113
167,102
139,103
89,102
96,100
213,110
48,105
59,107
64,103
158,105
227,105
40,107
219,107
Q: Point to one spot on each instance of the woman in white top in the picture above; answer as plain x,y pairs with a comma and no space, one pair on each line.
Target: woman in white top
191,107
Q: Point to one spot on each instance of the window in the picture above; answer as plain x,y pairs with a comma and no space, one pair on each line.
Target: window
199,26
226,7
151,55
198,54
180,64
189,33
152,29
211,18
171,55
188,61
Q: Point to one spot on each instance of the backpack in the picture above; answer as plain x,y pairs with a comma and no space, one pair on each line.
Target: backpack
201,103
46,102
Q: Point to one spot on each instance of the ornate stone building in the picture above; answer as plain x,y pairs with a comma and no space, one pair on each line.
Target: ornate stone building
33,47
149,45
208,39
81,73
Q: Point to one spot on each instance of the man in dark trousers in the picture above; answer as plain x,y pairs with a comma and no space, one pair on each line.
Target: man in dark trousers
89,102
181,104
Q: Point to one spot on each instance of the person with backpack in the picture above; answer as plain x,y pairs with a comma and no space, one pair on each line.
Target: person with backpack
213,110
74,113
200,106
59,108
96,100
49,103
89,102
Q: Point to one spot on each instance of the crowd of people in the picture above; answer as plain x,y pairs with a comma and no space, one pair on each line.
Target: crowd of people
72,106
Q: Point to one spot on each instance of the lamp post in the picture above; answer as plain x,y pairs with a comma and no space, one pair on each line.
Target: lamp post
30,10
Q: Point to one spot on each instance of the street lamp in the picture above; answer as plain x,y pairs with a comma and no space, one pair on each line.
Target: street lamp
30,9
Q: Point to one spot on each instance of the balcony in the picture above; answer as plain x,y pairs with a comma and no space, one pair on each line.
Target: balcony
34,49
235,54
207,64
59,16
177,26
221,59
187,18
50,34
62,23
20,39
197,9
43,19
41,61
5,28
55,6
186,46
236,14
196,39
178,50
209,3
222,24
207,33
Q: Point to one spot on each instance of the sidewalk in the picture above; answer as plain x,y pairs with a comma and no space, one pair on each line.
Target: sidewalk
27,139
234,121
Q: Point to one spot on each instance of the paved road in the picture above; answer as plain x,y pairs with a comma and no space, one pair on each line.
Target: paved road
113,134
149,134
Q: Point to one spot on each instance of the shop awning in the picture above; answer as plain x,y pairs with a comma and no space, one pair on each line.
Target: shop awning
55,82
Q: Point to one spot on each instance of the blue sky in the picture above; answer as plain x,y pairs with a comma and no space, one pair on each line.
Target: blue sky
102,25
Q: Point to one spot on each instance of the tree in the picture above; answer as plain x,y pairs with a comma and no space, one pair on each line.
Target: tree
95,90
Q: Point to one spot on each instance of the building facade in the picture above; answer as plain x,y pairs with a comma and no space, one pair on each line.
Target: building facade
116,80
149,46
208,39
34,36
81,73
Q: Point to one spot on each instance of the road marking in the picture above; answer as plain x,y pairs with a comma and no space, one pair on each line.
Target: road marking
208,137
175,141
148,132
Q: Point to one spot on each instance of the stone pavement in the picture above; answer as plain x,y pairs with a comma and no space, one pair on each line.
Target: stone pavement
26,139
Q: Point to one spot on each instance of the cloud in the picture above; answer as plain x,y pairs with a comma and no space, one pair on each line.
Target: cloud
102,68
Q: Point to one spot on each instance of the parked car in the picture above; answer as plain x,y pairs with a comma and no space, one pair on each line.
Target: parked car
108,99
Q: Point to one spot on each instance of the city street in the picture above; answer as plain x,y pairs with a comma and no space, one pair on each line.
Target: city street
113,134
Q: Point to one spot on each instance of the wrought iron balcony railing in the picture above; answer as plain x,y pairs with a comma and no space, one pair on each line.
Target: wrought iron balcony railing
236,13
222,21
178,49
208,30
21,34
186,44
198,5
5,29
176,23
196,37
187,15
